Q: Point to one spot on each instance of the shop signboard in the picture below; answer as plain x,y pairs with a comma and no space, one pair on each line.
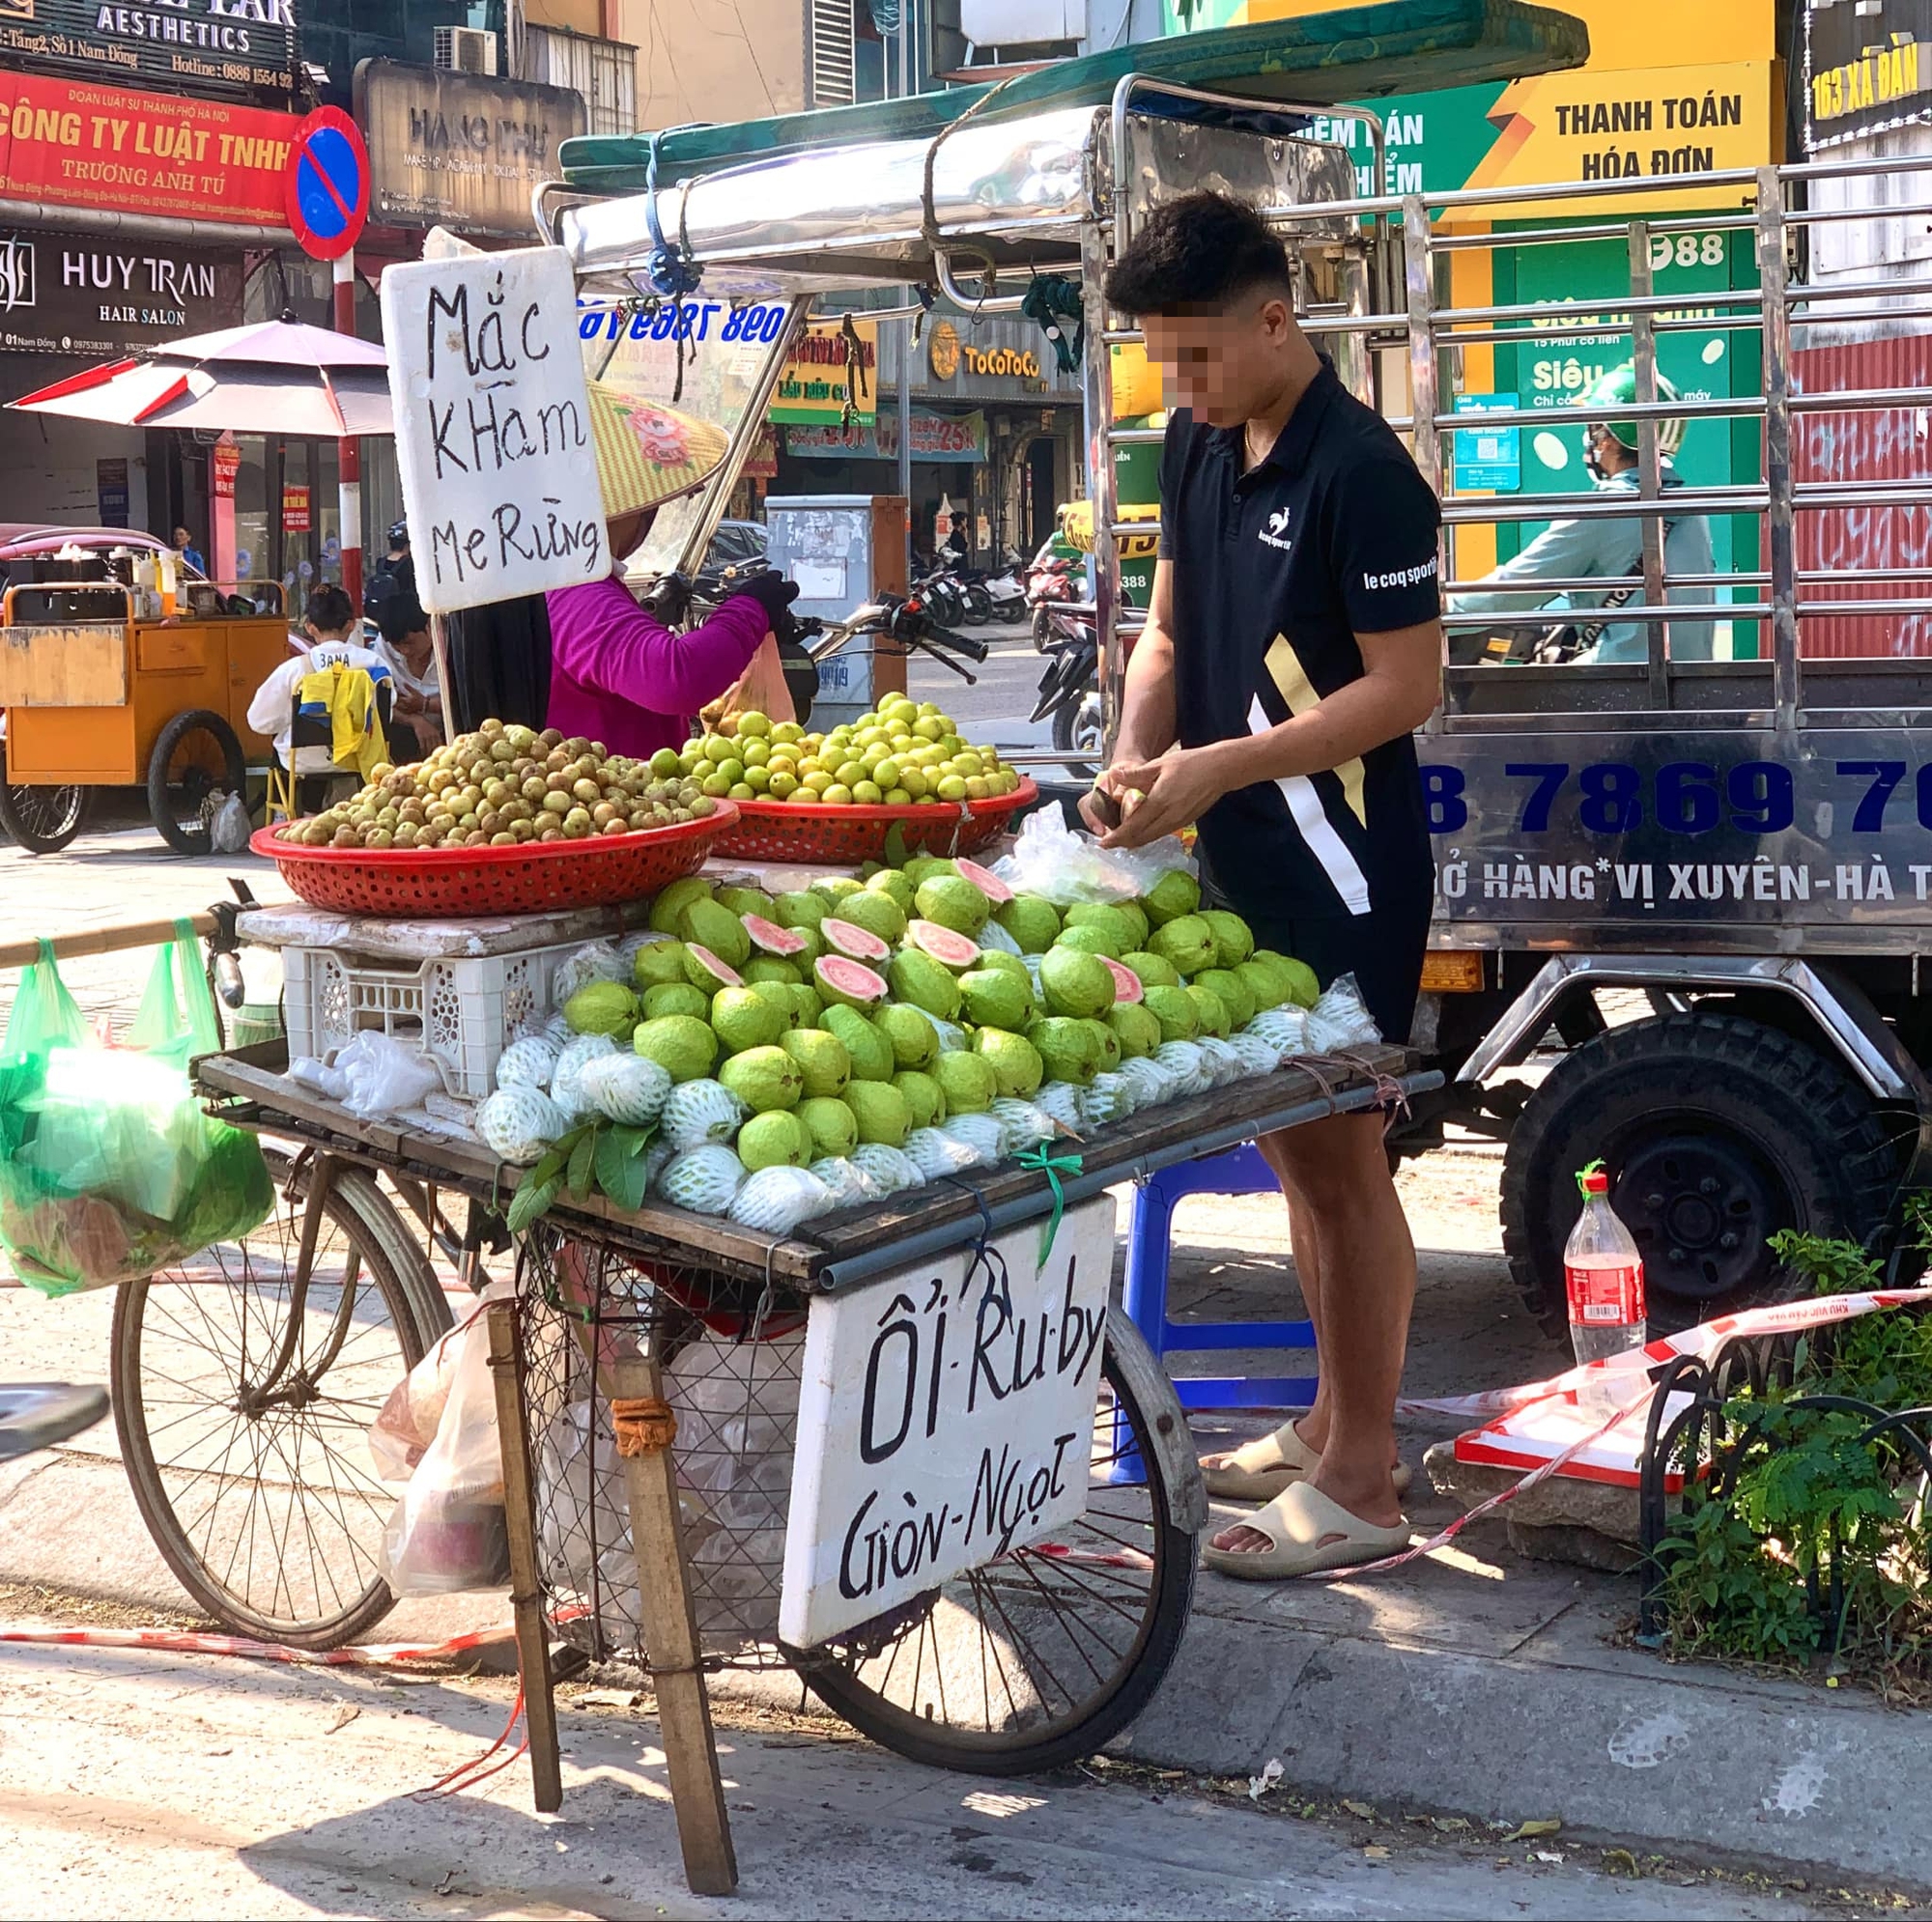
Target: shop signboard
110,489
935,436
211,48
493,426
459,150
75,144
294,509
89,294
813,386
1867,68
945,1419
224,463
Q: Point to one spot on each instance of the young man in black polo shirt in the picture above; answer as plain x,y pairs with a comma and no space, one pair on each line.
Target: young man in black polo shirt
1292,645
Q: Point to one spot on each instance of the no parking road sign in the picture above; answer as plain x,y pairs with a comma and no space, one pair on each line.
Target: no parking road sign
328,184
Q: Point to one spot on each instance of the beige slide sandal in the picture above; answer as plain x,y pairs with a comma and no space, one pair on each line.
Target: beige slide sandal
1258,1471
1298,1522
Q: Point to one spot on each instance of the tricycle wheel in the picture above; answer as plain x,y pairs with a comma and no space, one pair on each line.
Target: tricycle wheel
196,764
243,1417
42,820
1042,1657
1717,1131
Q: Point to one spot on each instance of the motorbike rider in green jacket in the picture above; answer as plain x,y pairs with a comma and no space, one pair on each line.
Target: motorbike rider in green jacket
1609,547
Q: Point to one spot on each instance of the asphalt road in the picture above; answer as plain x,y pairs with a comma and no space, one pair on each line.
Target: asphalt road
996,707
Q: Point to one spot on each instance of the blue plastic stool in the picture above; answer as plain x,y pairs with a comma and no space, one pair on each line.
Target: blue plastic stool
1240,1172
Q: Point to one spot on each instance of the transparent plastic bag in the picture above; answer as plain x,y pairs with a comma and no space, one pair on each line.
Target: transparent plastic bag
387,1074
1340,1019
594,961
109,1169
446,1534
228,833
1062,865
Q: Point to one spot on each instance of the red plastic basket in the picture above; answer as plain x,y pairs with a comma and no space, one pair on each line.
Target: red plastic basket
446,884
844,837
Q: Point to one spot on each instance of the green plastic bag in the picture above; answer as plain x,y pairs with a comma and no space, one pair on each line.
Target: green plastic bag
109,1168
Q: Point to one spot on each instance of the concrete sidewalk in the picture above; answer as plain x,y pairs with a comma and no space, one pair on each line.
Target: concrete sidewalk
1475,1682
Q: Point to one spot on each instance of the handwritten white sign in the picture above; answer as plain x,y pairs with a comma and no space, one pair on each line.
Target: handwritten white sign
493,427
943,1419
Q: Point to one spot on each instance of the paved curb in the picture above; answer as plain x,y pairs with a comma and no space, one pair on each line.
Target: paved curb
1679,1758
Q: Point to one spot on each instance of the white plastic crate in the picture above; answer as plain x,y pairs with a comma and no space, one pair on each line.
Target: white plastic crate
467,1010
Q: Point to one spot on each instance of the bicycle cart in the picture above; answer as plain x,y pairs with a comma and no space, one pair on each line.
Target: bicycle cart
94,693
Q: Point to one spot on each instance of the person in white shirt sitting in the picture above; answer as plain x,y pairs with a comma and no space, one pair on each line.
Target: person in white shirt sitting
416,723
328,620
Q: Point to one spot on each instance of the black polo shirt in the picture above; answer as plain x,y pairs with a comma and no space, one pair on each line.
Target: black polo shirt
1274,572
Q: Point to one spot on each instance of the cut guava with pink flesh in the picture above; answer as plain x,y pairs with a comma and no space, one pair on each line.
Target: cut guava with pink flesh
728,976
1126,983
860,943
943,944
771,937
853,979
985,880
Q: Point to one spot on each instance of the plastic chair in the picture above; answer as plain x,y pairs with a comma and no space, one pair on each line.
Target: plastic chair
310,765
1240,1172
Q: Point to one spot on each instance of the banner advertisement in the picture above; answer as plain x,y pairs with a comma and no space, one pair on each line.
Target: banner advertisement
1867,68
935,436
811,389
79,145
86,294
215,47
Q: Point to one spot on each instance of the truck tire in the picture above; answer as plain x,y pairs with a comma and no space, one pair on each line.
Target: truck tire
1717,1132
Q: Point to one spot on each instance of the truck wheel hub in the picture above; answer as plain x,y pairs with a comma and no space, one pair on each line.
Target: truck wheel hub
1700,1207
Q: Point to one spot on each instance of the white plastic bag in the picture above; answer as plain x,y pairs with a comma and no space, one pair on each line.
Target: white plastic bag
228,833
1340,1019
387,1073
594,961
446,1534
1051,860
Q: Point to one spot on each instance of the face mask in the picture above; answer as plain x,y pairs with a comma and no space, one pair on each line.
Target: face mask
1597,471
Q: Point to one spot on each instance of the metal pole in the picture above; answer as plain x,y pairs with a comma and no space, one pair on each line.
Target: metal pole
1780,526
1649,469
348,449
1097,395
907,327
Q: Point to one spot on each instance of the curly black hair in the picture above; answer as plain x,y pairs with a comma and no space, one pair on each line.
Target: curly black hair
1198,252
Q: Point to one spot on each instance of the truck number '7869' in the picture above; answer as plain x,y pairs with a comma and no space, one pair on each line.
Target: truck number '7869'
1679,797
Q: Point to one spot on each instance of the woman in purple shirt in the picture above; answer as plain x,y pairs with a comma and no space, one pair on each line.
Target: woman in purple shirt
618,675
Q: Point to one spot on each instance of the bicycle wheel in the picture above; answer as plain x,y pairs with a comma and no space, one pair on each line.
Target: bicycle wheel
1040,1657
244,1421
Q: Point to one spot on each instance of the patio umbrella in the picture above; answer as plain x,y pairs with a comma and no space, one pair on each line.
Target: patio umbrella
270,376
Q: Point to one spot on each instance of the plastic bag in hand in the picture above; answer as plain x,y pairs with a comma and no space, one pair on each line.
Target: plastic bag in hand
1340,1019
446,1534
1063,866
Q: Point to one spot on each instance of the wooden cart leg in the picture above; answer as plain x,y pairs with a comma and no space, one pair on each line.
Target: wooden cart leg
506,1370
671,1638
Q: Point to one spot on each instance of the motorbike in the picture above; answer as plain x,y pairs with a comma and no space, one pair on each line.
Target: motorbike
1049,583
939,593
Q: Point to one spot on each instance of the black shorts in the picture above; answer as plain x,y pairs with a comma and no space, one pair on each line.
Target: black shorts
1383,949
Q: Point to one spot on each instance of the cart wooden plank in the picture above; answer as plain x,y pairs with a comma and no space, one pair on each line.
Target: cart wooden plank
1155,1137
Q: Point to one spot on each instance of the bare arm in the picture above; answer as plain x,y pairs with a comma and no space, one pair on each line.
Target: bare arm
1399,688
1147,722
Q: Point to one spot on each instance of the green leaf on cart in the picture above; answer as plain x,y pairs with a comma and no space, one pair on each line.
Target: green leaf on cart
532,1199
620,1172
582,1155
895,846
634,1141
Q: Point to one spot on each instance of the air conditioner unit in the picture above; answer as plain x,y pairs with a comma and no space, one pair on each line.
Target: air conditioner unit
466,50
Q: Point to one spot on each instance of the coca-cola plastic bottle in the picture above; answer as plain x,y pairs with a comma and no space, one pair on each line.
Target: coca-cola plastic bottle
1603,1275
